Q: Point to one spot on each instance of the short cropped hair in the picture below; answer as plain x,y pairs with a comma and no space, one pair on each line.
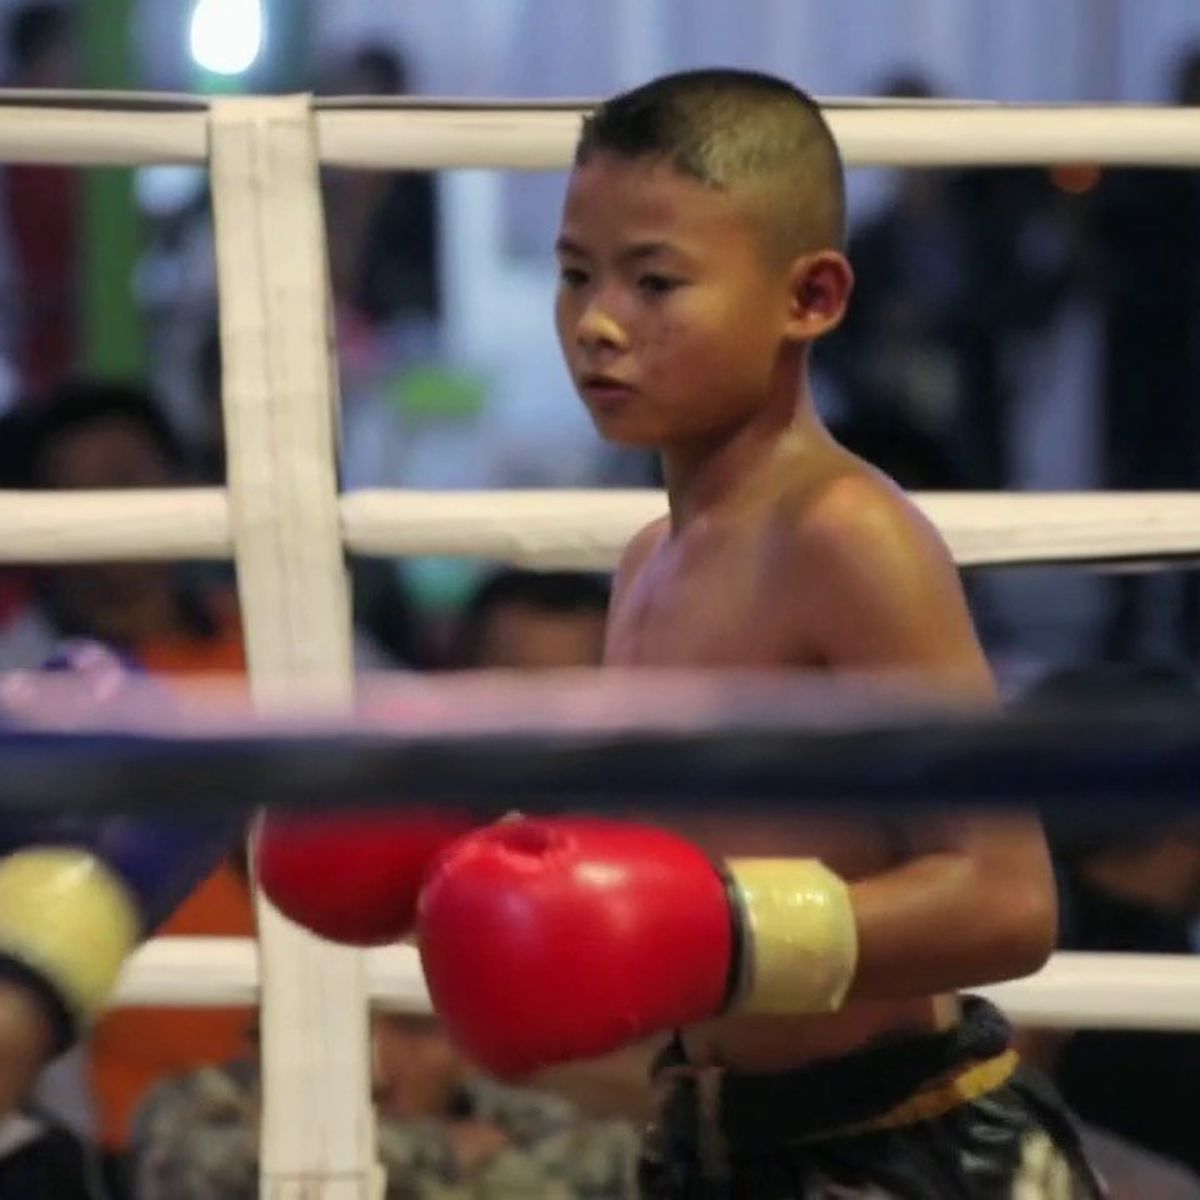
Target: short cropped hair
739,131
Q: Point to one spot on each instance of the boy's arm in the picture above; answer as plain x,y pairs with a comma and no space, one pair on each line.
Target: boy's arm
974,899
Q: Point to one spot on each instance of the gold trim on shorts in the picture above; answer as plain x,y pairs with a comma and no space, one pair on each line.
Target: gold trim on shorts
935,1101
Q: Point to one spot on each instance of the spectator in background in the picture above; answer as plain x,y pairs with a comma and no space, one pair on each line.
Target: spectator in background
947,276
134,1049
42,45
41,1160
208,450
1026,256
42,209
1133,891
534,620
1147,224
919,462
898,355
101,435
443,1131
383,226
22,639
113,436
173,621
388,632
44,1140
914,458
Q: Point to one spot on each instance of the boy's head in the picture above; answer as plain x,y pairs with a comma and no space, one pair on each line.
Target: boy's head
700,248
742,133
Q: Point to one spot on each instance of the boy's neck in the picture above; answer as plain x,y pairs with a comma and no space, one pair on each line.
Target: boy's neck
704,477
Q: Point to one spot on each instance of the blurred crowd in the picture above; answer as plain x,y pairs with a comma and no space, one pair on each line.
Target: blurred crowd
974,289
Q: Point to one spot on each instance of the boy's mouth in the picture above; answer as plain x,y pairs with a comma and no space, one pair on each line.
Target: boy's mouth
605,391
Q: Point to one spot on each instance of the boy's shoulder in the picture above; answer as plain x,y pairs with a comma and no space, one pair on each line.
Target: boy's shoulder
853,509
842,509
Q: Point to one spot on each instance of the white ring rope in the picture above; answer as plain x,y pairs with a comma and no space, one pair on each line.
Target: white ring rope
1078,991
582,530
532,136
120,526
588,530
543,139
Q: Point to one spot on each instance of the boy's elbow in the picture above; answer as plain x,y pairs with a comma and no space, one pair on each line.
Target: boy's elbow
1026,931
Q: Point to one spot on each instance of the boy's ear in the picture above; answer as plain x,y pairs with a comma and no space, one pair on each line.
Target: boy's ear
819,287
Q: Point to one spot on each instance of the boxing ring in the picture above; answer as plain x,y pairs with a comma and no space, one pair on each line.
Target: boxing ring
285,523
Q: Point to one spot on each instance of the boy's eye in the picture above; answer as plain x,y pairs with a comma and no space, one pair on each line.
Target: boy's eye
656,285
572,277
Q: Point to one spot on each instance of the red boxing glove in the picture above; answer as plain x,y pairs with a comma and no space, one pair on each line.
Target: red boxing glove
351,877
548,941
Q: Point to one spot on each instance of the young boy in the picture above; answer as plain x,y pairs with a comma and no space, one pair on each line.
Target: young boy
820,1049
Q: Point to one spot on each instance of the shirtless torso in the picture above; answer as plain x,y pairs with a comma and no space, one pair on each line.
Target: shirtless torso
746,587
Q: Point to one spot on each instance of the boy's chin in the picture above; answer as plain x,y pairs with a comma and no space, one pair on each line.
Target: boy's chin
628,435
629,441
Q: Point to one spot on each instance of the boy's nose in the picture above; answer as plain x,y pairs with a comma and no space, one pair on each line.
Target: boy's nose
598,328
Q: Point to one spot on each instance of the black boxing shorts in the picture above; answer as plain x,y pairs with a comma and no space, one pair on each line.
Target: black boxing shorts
924,1117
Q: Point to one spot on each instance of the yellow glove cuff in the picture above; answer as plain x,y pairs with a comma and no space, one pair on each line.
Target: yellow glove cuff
67,917
799,938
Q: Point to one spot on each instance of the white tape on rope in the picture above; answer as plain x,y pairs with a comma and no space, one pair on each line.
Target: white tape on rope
280,416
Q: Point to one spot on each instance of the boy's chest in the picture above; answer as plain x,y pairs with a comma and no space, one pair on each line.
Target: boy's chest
739,606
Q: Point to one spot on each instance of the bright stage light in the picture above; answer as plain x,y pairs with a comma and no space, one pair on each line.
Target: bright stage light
226,36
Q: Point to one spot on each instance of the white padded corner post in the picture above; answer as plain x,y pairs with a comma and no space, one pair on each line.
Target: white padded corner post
280,415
